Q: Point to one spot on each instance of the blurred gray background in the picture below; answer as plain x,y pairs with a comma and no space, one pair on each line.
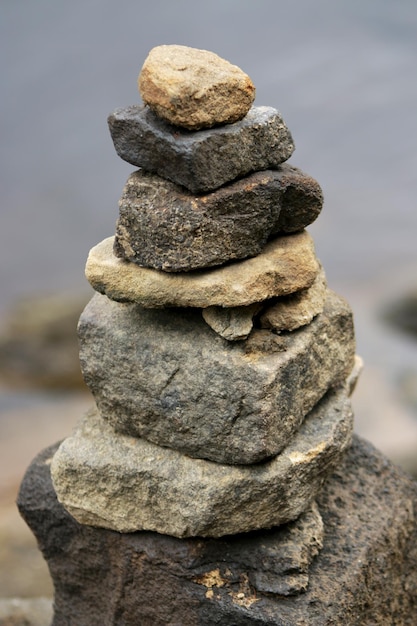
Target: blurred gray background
342,73
344,76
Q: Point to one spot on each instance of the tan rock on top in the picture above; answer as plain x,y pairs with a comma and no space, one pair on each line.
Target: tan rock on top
194,88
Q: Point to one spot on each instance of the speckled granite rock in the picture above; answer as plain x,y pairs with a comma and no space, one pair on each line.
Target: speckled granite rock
203,160
286,265
165,227
194,88
165,376
366,572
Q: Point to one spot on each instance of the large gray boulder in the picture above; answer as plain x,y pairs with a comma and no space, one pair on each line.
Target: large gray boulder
365,573
287,264
128,484
163,226
164,375
204,160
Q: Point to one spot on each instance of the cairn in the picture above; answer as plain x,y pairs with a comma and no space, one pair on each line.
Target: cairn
220,362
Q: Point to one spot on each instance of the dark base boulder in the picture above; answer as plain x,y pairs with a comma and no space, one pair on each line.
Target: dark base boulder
366,572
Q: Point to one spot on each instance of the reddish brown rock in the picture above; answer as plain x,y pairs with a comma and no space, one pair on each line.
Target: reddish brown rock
165,227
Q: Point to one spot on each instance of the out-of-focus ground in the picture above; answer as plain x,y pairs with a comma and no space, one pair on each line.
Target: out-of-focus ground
343,76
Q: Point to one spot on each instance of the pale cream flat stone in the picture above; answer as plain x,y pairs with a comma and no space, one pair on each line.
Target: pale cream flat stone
286,265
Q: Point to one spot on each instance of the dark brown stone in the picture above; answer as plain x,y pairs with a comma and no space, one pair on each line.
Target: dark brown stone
165,227
365,574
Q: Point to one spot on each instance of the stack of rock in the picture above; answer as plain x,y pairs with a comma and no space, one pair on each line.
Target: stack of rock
210,483
219,360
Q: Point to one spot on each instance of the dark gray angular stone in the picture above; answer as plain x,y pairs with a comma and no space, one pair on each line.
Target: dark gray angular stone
164,375
203,160
165,227
366,572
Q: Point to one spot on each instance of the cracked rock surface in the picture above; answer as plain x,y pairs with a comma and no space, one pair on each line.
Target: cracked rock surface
164,375
128,484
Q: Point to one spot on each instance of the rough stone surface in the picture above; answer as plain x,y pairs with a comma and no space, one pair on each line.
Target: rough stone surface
366,572
203,160
285,313
128,484
287,264
165,376
298,309
165,227
194,88
233,324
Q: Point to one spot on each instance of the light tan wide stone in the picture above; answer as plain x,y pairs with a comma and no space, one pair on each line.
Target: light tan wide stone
194,88
286,265
128,484
298,309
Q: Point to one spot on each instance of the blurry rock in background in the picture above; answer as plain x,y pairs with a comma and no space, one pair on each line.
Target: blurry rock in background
42,395
38,343
402,313
18,612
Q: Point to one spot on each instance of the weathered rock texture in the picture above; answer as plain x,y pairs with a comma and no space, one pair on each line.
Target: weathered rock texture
286,264
163,226
298,309
194,88
285,313
165,376
127,484
233,324
206,159
366,572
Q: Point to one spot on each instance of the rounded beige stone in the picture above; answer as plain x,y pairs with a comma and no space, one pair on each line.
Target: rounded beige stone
286,265
194,88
